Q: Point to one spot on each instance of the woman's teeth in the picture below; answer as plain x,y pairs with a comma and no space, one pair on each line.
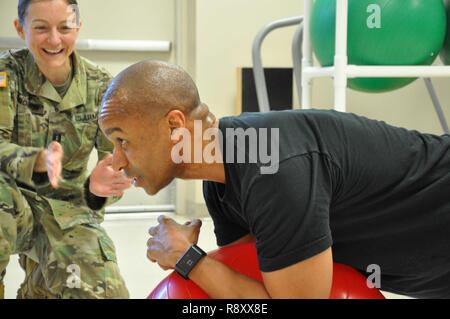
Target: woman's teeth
53,51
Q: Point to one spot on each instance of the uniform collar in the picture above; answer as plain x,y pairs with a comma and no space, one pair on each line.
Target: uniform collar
38,85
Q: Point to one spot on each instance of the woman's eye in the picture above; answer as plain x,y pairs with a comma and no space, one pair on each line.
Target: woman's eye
65,29
40,28
121,142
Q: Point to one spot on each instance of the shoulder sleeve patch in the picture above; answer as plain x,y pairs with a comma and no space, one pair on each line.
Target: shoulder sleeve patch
3,79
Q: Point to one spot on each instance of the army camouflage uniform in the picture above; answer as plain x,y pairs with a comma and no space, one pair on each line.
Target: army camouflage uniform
63,249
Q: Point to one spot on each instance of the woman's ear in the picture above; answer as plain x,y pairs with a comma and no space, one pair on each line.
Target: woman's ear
19,29
78,26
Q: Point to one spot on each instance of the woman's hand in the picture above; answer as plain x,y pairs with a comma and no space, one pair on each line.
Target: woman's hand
105,182
50,161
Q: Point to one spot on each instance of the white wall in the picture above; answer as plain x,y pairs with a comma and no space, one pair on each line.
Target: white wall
8,12
127,20
225,33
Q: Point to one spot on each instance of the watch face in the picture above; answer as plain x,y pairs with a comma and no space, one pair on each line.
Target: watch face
188,261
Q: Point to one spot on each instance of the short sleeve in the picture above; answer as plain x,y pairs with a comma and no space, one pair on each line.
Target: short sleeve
289,211
226,226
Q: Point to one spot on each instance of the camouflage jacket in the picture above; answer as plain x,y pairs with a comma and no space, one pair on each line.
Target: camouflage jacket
32,113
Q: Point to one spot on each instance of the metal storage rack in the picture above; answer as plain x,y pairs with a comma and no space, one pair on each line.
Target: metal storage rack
305,71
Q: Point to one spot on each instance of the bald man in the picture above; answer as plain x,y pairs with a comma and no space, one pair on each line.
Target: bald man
312,187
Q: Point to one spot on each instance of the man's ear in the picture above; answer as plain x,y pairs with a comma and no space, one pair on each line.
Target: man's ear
177,123
19,29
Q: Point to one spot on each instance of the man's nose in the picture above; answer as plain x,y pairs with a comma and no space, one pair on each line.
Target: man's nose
119,160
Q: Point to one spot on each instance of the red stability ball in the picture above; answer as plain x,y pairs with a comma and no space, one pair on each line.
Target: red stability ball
347,282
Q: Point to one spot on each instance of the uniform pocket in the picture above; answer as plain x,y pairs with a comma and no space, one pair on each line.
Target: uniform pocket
68,215
108,249
79,157
87,132
24,126
114,286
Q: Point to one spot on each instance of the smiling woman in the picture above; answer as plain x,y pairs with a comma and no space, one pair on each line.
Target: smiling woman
50,32
50,210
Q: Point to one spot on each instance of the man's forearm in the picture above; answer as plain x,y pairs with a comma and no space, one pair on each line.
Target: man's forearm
221,282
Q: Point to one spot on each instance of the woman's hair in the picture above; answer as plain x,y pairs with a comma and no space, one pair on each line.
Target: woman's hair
22,8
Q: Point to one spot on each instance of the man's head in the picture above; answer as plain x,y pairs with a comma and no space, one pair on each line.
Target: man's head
141,111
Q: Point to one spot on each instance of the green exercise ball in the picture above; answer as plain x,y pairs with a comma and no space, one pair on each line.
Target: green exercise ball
445,53
381,32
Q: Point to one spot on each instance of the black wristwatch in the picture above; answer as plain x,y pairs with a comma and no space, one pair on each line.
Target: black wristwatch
188,261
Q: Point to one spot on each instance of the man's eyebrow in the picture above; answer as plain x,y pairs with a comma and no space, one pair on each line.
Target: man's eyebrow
112,130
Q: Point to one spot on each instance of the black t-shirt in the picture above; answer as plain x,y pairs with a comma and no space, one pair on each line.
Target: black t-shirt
378,194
